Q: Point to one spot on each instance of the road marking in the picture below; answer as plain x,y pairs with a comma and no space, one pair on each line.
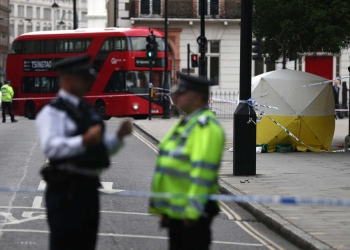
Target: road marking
262,236
254,233
7,216
42,185
133,236
149,144
37,202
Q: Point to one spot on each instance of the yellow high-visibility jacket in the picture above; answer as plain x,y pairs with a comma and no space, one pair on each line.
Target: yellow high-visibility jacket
188,164
6,93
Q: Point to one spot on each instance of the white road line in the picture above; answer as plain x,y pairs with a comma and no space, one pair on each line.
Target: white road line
37,202
262,236
101,211
235,215
42,185
149,144
132,236
262,239
107,185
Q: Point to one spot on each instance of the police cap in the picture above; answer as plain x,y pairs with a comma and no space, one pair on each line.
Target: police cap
77,65
198,84
7,81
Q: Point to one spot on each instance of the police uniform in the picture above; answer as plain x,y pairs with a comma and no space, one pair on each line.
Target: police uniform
188,164
6,101
72,174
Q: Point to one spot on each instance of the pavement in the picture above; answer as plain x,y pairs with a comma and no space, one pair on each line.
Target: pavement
303,174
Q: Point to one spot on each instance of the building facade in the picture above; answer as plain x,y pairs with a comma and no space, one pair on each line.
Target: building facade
4,35
43,15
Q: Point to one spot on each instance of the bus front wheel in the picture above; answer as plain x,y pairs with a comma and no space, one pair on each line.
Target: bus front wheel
30,110
101,109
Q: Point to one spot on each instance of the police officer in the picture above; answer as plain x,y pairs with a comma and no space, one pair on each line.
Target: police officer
73,138
188,165
6,101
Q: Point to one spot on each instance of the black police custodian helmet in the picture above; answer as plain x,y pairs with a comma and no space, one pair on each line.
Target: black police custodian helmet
77,65
188,82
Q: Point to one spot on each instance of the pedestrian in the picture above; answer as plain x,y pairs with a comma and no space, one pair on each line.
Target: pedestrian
336,90
73,138
188,165
6,101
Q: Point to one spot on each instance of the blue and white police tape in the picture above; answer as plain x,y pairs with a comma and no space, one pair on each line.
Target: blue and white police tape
285,200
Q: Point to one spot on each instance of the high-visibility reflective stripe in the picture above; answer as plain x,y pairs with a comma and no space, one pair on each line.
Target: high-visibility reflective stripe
184,175
173,172
202,182
197,205
174,154
205,165
158,204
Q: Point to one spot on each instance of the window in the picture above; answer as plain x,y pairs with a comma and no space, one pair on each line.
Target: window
212,61
40,85
29,28
37,27
83,16
116,83
17,47
139,43
38,16
12,10
20,28
31,47
12,28
20,10
48,46
47,14
152,7
29,12
211,7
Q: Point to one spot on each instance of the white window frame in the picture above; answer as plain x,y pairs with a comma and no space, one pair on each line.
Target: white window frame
151,8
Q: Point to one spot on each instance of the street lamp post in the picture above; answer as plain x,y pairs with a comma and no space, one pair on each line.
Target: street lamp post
166,104
75,21
55,7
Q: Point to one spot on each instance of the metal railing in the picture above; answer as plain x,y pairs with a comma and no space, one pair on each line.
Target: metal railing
224,9
221,103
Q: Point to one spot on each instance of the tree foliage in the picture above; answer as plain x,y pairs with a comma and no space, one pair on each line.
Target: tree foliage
289,27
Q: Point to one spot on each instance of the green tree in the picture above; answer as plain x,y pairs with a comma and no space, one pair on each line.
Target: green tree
289,27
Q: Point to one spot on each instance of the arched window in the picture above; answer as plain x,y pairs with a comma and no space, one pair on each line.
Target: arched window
37,26
20,28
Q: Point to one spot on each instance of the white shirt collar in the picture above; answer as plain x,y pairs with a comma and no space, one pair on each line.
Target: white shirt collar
69,97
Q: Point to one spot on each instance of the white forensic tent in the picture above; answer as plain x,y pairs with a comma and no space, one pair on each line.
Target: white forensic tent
307,112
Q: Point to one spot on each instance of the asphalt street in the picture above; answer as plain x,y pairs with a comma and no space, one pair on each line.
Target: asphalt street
125,222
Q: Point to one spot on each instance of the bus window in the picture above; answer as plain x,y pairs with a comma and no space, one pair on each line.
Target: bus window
102,55
31,47
116,83
62,46
17,47
35,85
48,46
120,43
139,43
107,45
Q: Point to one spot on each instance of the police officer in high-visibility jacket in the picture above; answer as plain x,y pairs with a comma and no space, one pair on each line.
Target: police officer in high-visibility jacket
6,101
187,168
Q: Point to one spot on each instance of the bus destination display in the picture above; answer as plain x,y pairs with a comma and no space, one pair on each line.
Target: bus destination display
38,65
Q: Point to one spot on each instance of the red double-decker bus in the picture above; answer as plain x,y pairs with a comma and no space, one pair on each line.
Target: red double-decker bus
119,56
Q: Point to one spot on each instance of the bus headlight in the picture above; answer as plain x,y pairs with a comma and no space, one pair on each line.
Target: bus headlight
135,106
